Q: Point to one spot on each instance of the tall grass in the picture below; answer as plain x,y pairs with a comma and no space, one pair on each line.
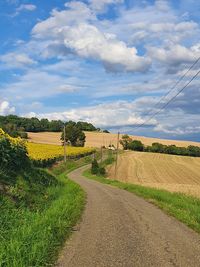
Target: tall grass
31,237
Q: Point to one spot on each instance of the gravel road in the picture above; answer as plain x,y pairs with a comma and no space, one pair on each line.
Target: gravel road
121,229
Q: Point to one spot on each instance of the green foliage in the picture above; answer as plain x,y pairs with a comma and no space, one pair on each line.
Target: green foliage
74,135
137,145
129,143
18,126
13,156
157,148
106,131
95,167
32,236
102,171
85,126
125,141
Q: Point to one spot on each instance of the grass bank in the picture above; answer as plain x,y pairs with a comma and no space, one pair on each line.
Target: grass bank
184,208
35,224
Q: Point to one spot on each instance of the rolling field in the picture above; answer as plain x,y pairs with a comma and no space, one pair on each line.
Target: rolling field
95,139
173,173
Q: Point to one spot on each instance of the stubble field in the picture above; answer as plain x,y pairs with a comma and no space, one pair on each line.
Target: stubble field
173,173
96,139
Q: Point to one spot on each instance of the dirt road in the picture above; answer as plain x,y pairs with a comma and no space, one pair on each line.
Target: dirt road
121,229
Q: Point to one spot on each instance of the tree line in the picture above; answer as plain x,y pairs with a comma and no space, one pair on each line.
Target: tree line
18,126
129,144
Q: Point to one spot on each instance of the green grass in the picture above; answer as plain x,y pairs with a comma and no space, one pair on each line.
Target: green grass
31,235
71,165
184,208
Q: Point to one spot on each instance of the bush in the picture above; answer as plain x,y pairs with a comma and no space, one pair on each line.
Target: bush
136,145
13,154
102,171
95,167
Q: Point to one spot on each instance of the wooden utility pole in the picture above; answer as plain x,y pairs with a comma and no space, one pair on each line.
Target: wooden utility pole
65,157
117,152
101,154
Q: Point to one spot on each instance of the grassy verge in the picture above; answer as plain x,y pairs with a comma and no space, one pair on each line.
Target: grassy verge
184,208
31,234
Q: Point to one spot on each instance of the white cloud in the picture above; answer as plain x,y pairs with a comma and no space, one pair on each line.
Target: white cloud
119,113
16,60
99,6
175,54
25,7
87,41
35,84
76,13
71,33
5,108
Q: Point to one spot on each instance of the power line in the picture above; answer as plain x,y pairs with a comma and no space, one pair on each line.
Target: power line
173,87
166,104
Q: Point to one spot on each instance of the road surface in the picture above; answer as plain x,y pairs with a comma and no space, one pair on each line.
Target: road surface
121,229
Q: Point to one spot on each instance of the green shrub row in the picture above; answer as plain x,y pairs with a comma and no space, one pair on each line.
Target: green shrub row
136,145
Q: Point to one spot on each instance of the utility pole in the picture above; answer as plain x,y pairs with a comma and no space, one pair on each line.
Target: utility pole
65,157
117,152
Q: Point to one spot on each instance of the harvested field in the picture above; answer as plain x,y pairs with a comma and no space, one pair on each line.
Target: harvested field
45,138
95,139
173,173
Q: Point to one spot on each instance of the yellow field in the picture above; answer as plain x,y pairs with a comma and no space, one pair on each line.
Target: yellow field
173,173
47,151
96,139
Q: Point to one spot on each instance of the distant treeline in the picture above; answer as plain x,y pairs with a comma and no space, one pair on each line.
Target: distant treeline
130,144
18,126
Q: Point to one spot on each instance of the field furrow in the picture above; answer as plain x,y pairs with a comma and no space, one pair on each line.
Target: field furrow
173,173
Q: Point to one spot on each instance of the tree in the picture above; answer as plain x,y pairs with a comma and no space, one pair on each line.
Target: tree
157,148
194,151
85,126
74,135
136,145
125,141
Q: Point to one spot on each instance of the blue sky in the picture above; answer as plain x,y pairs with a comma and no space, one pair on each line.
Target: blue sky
107,62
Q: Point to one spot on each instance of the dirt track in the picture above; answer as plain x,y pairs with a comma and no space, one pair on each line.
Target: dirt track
173,173
121,229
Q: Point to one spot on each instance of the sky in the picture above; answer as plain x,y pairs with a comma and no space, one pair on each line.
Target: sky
107,62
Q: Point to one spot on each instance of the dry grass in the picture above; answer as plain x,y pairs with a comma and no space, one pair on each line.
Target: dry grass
173,173
94,139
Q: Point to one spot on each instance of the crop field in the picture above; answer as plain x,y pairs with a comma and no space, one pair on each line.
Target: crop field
173,173
96,139
48,151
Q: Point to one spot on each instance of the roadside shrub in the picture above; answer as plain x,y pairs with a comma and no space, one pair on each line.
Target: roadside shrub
95,167
13,154
102,171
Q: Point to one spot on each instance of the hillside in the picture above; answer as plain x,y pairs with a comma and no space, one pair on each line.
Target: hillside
96,139
173,173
